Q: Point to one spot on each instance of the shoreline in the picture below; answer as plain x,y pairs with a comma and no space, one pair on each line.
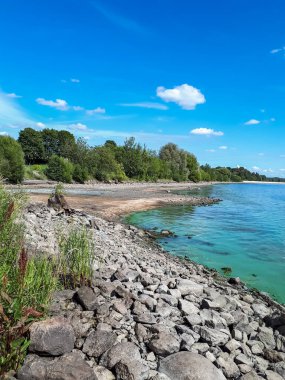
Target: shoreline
114,201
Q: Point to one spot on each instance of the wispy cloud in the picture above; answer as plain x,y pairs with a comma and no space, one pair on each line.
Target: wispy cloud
13,95
252,122
279,50
186,96
77,127
98,110
206,132
223,147
11,115
211,150
151,105
118,19
260,170
72,80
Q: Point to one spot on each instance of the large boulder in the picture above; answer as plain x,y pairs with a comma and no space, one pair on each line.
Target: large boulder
189,366
120,352
54,336
187,287
98,342
66,367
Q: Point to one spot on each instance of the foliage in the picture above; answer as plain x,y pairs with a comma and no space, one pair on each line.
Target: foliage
35,171
26,284
80,173
32,145
77,257
59,169
11,160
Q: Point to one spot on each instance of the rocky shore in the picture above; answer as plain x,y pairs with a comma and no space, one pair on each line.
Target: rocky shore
148,315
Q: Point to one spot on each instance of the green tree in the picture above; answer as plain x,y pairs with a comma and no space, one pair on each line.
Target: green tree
177,161
105,167
59,169
11,160
32,145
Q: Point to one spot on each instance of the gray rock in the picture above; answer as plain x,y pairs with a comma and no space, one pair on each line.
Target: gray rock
103,373
243,359
131,370
189,287
54,336
213,337
252,375
187,341
280,368
164,343
229,367
187,307
66,367
145,318
265,335
189,366
98,342
260,309
87,298
270,375
193,319
120,352
217,304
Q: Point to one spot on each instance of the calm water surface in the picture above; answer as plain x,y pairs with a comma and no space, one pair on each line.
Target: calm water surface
245,232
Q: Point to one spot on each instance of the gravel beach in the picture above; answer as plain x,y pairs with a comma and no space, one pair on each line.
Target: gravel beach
148,315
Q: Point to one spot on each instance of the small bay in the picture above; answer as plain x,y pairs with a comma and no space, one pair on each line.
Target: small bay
245,232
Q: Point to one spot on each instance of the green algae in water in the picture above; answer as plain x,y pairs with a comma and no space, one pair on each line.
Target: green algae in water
245,232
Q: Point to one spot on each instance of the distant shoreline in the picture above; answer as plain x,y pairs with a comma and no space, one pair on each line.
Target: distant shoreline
265,182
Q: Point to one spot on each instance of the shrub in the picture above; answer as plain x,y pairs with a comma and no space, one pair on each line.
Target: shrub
59,169
11,160
80,174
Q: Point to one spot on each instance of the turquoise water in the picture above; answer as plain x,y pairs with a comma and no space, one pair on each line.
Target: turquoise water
245,232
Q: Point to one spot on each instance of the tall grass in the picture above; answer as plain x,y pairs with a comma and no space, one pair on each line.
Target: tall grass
26,284
77,257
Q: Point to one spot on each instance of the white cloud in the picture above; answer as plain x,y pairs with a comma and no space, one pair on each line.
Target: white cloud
13,95
95,111
74,80
252,122
210,150
78,126
256,168
40,125
151,105
223,147
186,96
206,132
260,170
3,133
59,104
272,119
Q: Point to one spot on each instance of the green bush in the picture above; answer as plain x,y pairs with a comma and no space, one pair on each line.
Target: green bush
80,174
59,169
11,160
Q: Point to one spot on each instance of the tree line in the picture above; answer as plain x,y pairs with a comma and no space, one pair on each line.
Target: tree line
64,158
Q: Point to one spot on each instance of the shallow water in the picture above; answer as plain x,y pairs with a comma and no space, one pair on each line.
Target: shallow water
245,232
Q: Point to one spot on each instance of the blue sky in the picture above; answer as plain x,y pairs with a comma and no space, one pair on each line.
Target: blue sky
206,75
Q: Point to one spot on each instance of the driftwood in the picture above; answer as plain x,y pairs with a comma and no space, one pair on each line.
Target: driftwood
59,203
